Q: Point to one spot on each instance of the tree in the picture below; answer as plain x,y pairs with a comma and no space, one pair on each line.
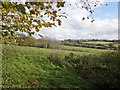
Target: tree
15,17
19,17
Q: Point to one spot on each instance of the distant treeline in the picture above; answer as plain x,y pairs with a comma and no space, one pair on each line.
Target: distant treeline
94,43
86,40
26,40
23,40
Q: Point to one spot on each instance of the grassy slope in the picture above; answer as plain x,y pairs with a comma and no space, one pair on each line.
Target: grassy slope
31,67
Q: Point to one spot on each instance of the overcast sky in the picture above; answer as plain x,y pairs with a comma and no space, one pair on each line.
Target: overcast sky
104,27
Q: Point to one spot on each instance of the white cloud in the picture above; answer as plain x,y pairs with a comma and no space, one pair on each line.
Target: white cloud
74,28
109,0
93,0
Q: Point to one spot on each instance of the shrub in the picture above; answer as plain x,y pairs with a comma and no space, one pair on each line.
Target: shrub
55,59
105,74
72,59
101,70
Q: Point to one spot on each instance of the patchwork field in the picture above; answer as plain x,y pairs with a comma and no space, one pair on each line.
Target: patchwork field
98,42
85,50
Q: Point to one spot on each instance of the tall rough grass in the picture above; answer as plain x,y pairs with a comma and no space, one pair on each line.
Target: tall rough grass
100,70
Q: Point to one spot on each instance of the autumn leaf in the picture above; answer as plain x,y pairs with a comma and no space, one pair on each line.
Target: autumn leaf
92,20
41,35
32,25
83,18
59,22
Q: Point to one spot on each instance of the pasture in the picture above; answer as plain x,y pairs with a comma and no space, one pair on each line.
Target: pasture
31,67
98,42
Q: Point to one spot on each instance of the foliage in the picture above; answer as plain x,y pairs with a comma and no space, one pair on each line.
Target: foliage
101,70
32,16
49,43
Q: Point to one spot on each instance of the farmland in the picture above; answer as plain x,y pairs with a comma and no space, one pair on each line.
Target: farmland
59,44
84,49
97,44
68,67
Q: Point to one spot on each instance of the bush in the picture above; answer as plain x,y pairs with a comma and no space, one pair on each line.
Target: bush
109,77
73,60
55,59
102,70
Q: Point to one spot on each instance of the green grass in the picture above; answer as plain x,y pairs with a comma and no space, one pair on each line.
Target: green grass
97,42
30,67
85,50
116,45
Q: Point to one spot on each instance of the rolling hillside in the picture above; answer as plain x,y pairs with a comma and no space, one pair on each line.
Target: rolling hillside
30,67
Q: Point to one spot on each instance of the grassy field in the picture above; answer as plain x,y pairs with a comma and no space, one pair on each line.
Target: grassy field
85,50
30,67
97,42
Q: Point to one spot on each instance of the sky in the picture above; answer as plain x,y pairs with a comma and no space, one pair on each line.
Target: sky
105,25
